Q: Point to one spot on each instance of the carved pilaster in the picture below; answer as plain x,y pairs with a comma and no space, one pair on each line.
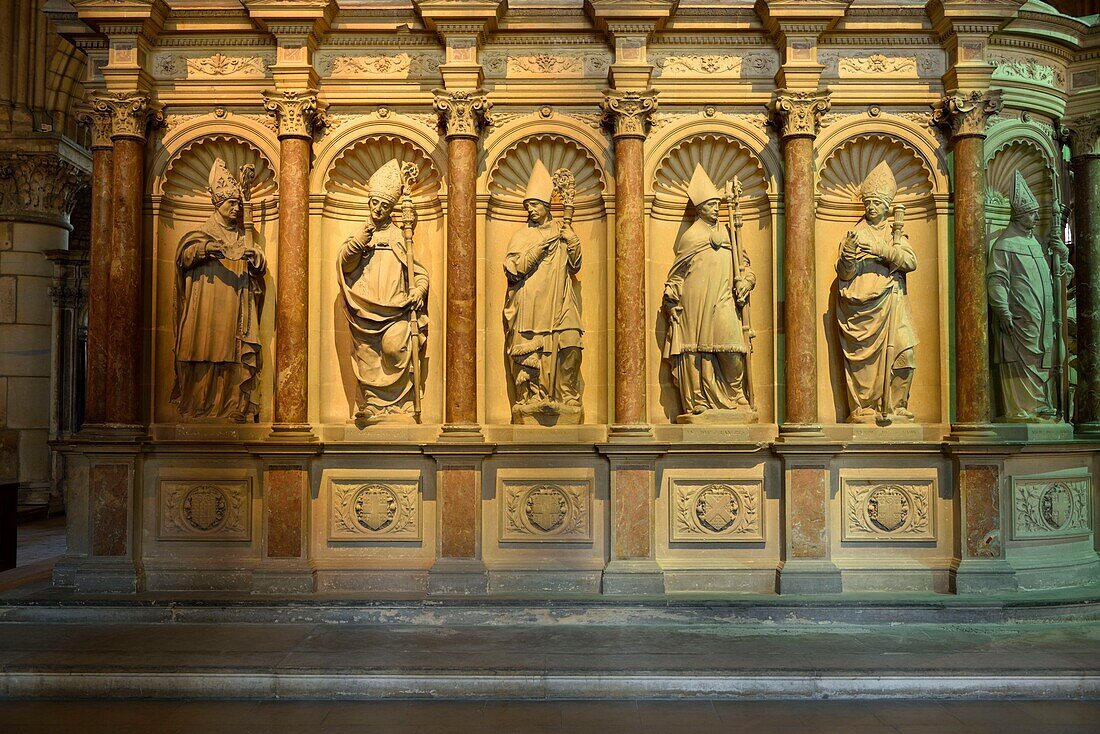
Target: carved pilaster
129,113
629,111
1084,136
295,112
39,187
799,113
965,113
463,113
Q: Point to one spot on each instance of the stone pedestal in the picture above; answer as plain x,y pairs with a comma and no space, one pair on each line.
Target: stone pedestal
459,568
965,116
798,115
110,565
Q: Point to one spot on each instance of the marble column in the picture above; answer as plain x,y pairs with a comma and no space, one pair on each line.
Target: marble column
99,264
130,116
798,115
1085,160
965,115
295,113
629,113
463,114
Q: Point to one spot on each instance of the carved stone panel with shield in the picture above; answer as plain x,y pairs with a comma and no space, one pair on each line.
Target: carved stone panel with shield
1051,506
204,510
558,511
375,509
889,508
703,511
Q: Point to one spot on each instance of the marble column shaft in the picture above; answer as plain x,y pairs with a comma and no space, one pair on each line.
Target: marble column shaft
460,407
966,115
1086,173
295,112
798,115
99,265
463,113
629,113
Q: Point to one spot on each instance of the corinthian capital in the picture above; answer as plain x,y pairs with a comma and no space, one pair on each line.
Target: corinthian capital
799,113
965,113
295,112
129,113
463,113
39,187
628,111
98,123
1084,135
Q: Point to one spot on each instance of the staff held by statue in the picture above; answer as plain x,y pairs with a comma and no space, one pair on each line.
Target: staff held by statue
409,173
734,190
566,186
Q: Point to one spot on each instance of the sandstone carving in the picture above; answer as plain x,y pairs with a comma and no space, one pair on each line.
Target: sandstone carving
542,307
888,510
219,296
709,512
375,510
1045,507
872,307
205,510
1021,299
385,293
558,512
706,300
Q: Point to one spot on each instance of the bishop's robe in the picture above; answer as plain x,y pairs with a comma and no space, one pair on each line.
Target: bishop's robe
873,313
217,345
1018,278
376,286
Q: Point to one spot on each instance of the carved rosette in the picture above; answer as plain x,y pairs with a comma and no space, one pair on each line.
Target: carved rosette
463,113
799,113
129,112
629,111
966,114
39,187
1084,137
295,112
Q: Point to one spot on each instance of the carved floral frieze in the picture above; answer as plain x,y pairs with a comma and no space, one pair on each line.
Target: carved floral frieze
703,511
172,66
543,63
557,511
1051,507
707,65
888,509
877,64
382,509
210,510
402,65
1027,69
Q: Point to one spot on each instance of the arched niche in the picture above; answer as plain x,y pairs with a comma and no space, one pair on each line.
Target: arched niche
508,177
843,167
723,156
349,162
182,204
1017,148
345,185
509,161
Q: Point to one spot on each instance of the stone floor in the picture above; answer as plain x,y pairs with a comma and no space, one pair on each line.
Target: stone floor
572,717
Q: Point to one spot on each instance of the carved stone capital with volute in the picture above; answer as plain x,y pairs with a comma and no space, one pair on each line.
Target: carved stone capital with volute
628,112
798,114
98,123
965,113
295,112
463,113
39,187
1084,136
129,113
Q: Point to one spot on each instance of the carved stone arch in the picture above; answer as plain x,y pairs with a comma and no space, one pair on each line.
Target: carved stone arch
1011,147
507,178
351,133
345,181
244,129
848,164
753,139
722,157
183,187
